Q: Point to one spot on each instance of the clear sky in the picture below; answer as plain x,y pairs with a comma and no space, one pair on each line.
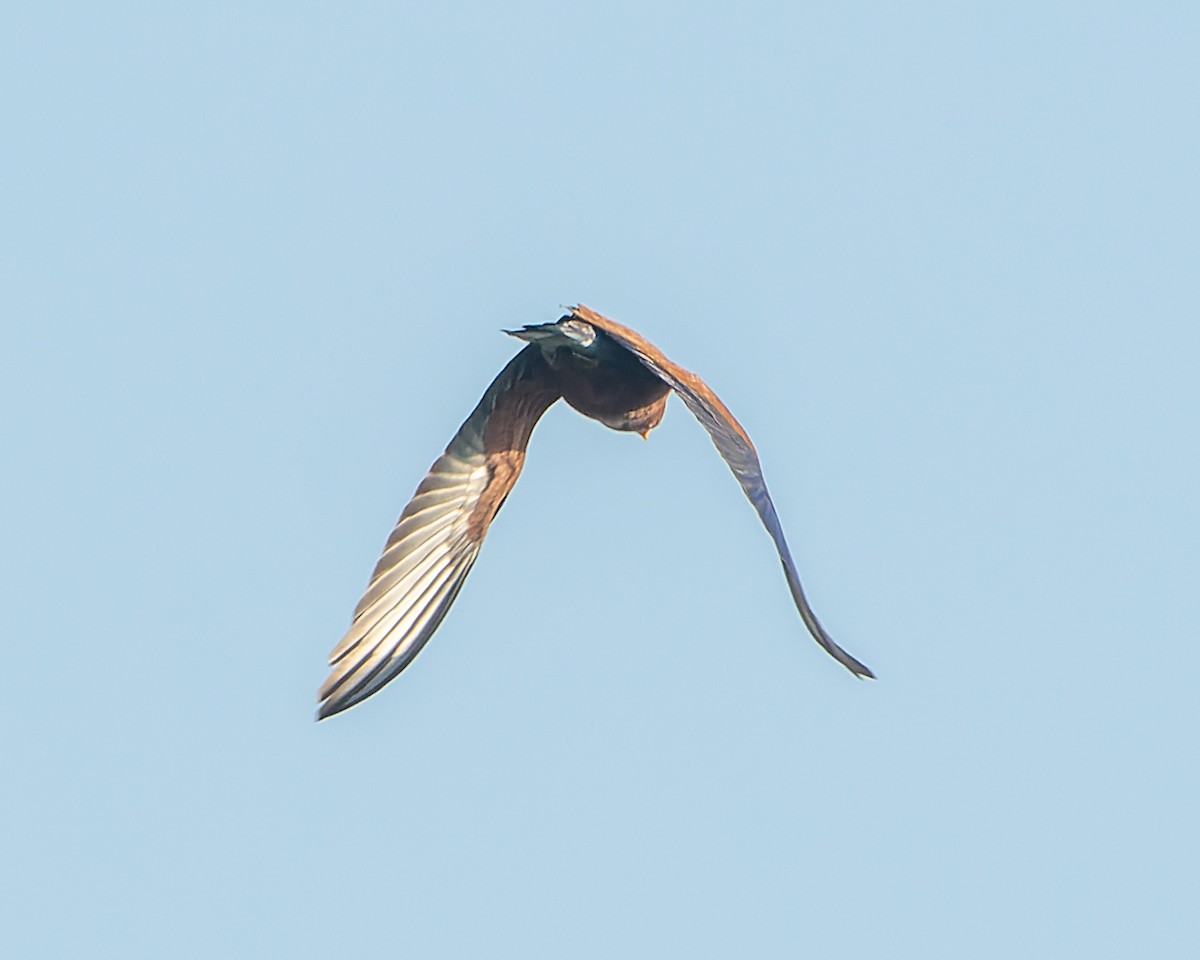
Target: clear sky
941,260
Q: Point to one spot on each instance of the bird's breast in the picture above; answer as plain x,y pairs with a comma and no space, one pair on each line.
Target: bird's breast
623,396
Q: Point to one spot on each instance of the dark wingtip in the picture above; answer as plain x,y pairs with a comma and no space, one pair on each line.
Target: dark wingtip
856,667
332,706
809,616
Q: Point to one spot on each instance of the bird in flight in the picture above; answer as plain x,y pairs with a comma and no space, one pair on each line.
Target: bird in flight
605,371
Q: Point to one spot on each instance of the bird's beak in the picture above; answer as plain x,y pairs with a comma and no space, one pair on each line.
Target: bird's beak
532,334
645,434
563,333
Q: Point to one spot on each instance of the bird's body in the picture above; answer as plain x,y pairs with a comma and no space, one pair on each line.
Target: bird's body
599,378
603,370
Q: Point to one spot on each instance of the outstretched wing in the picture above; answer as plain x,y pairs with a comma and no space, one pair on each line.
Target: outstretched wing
438,535
735,446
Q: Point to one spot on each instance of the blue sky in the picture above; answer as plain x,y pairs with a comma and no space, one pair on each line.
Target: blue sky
939,259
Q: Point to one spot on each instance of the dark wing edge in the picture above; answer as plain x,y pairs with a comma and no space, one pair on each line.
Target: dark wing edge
438,536
736,448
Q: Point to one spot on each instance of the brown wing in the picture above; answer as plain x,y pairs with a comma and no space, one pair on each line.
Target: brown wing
438,535
735,446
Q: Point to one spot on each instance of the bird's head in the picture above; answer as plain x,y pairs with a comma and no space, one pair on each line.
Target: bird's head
568,332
